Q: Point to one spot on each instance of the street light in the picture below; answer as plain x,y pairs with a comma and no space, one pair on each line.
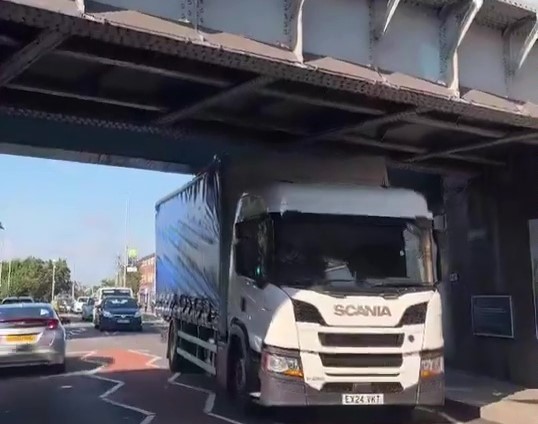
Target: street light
53,280
1,253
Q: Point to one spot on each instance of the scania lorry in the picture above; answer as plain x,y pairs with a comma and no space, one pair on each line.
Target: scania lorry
300,281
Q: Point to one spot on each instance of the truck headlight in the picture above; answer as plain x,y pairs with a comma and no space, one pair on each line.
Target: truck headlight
431,364
281,364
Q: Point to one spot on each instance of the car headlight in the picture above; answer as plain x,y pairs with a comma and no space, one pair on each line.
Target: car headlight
431,364
284,365
107,314
138,314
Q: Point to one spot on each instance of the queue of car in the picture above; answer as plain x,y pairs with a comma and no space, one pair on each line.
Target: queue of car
32,332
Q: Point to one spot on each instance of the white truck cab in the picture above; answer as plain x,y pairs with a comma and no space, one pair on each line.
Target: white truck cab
334,288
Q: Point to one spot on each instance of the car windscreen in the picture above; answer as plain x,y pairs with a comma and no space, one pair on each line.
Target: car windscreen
82,299
121,303
12,313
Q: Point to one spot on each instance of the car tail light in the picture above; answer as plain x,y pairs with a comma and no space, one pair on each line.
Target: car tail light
52,324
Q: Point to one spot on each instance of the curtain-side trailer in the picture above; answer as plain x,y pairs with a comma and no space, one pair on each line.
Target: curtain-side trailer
300,281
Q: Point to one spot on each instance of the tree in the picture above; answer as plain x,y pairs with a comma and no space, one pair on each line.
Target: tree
33,277
133,281
107,282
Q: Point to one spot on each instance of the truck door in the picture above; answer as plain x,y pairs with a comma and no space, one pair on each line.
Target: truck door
247,291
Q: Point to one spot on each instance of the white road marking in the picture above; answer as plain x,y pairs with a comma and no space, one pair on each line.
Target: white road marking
211,396
145,352
148,416
441,414
87,357
209,403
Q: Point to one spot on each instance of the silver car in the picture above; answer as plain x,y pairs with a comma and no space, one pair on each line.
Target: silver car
87,309
31,334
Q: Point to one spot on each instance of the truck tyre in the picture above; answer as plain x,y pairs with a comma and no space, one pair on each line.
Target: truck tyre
174,360
241,378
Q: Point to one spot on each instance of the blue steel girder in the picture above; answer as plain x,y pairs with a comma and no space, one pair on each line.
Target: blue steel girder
51,135
470,58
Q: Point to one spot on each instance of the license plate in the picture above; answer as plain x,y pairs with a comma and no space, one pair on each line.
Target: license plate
21,338
123,321
358,399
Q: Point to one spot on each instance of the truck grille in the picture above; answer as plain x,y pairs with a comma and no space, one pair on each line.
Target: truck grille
363,388
361,360
361,340
306,312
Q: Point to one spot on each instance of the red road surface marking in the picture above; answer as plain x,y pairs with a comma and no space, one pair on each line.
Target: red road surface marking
146,387
121,361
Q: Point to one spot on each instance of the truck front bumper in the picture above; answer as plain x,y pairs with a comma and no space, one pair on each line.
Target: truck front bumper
285,391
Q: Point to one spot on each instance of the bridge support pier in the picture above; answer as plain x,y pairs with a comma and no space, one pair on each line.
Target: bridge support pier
489,253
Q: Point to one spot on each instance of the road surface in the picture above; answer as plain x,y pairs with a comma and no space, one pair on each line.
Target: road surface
115,377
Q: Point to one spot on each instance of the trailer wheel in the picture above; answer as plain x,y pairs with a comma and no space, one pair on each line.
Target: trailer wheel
174,360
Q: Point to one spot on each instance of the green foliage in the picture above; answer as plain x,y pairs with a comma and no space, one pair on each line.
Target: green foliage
33,277
133,281
107,282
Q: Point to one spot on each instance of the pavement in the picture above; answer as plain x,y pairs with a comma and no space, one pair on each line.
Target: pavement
122,377
490,399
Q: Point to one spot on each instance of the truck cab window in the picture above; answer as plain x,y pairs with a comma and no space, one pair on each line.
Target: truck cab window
313,250
252,247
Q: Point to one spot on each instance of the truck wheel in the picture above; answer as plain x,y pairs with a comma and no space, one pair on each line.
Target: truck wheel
174,360
240,383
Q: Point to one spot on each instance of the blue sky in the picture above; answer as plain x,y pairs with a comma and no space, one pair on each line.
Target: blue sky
77,211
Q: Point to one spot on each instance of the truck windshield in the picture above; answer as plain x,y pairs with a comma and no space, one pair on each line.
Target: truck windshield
350,252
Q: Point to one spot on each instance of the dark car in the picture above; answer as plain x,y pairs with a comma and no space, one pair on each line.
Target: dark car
117,313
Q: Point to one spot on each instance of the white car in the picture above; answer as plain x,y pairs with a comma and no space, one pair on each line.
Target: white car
17,299
77,306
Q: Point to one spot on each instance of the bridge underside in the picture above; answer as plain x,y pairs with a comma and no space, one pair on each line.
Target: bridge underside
438,85
129,88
